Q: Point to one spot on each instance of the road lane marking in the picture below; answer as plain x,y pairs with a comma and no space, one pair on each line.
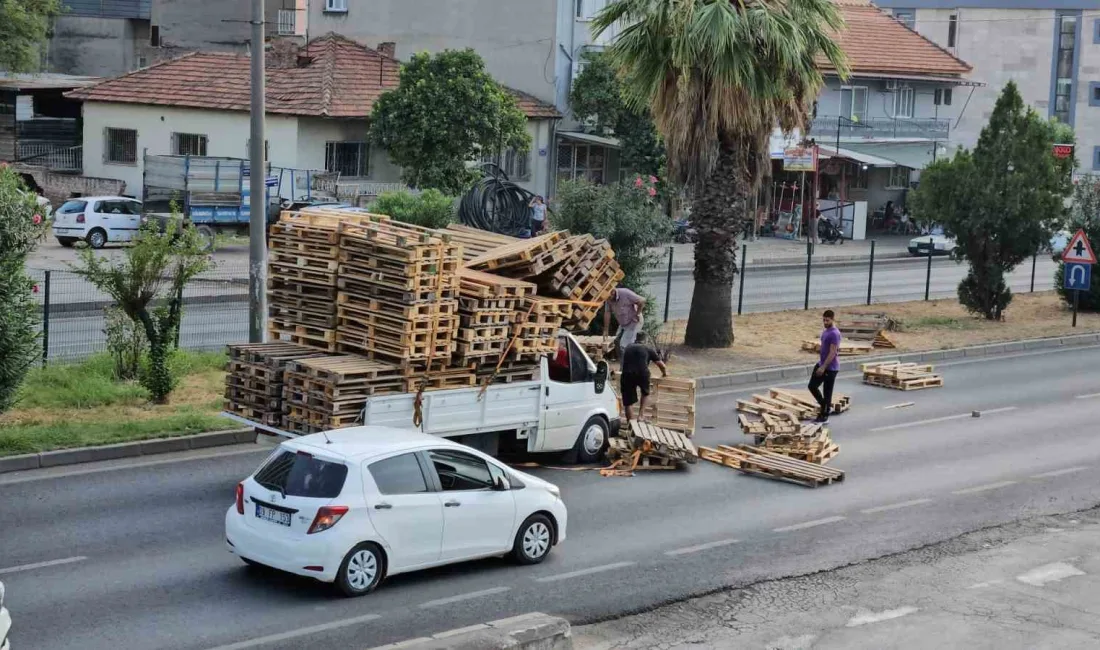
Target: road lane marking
898,406
865,617
462,597
586,572
946,418
1087,396
895,506
1059,472
701,547
300,632
984,488
1040,576
43,565
809,524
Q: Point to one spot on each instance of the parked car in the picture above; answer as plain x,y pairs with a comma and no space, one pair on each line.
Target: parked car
353,506
98,220
44,205
5,622
935,244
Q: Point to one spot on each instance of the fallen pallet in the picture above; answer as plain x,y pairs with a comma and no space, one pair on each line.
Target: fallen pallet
845,349
803,397
768,464
912,383
476,242
518,255
621,450
665,441
900,376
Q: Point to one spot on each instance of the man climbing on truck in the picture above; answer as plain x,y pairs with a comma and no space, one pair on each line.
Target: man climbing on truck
628,307
635,378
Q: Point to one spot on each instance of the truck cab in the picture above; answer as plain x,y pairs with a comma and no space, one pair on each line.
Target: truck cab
580,409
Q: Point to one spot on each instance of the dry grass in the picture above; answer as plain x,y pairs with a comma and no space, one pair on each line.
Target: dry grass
775,338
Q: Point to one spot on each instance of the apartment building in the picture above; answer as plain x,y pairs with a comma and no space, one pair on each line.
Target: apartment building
1050,48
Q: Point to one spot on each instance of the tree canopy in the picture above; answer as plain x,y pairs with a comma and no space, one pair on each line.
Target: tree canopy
1000,201
24,30
445,112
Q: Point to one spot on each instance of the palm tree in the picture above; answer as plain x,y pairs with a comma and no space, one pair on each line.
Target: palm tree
719,76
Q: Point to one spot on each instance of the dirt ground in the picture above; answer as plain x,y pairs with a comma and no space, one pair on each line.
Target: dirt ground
775,338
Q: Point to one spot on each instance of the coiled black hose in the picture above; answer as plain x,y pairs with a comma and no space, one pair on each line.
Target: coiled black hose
496,204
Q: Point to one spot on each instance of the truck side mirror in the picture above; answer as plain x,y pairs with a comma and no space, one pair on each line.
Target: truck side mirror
601,377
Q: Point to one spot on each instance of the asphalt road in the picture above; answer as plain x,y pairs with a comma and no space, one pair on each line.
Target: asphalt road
220,315
139,558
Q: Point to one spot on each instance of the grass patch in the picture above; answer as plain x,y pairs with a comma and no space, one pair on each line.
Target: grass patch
940,322
77,405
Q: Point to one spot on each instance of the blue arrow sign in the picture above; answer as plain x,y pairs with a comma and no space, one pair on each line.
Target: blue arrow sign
1078,276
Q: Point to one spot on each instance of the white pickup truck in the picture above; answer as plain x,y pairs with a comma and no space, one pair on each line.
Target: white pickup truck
567,409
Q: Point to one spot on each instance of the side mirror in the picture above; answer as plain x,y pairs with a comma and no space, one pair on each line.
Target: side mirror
601,377
501,484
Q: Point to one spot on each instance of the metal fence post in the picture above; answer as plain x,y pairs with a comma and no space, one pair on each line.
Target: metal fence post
928,275
1034,258
871,272
809,263
668,286
741,288
179,325
46,319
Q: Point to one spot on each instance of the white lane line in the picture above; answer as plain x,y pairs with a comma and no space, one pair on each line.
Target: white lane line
1060,472
42,565
701,547
895,506
48,475
865,617
946,418
300,632
898,406
809,524
586,572
462,597
985,488
1087,396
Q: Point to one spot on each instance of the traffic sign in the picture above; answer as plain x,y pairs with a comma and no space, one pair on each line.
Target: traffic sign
1077,276
1078,250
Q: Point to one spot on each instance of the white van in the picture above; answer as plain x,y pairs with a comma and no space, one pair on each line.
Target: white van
98,220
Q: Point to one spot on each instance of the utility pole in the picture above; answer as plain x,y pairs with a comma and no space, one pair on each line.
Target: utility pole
257,203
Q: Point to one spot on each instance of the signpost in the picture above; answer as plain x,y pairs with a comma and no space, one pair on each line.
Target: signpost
1062,151
1079,259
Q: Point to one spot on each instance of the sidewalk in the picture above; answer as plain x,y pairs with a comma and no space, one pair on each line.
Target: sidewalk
773,250
1032,584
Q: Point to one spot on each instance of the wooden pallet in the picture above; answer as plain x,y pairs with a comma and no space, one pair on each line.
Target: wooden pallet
803,397
771,465
518,254
845,349
913,383
665,441
620,452
476,242
597,347
478,284
900,376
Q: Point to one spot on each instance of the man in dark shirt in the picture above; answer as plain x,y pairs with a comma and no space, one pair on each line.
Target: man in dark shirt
636,359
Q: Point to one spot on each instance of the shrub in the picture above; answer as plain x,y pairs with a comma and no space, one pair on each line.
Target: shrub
430,208
1084,214
125,343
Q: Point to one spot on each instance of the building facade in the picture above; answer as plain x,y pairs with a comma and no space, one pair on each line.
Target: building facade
1050,48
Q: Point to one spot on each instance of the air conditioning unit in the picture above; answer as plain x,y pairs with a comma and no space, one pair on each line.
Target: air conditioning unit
891,85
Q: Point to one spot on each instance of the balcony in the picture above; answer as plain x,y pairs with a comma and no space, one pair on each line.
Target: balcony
287,22
825,128
69,160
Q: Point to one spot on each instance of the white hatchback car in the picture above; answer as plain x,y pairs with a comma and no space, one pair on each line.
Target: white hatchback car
5,622
97,220
352,506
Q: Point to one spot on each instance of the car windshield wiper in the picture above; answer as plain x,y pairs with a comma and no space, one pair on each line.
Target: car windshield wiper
273,486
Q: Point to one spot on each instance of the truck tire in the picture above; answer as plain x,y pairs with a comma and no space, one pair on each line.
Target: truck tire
206,234
591,442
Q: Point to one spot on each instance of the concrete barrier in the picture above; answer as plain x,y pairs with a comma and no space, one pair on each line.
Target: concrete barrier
533,631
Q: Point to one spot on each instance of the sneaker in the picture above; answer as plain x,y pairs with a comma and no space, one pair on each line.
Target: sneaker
821,420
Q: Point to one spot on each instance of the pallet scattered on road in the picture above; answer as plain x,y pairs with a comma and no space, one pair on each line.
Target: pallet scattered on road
811,443
769,464
782,411
646,446
900,376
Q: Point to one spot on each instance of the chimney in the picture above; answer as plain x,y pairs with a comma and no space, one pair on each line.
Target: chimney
283,53
389,48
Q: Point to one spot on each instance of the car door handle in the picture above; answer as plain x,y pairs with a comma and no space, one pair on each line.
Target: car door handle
452,504
382,506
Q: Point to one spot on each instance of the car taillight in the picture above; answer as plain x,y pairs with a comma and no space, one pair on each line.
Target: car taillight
240,498
326,518
80,218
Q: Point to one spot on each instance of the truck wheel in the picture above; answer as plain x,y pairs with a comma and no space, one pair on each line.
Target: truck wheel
592,441
206,234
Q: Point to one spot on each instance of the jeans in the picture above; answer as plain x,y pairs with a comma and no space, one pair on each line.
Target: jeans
828,378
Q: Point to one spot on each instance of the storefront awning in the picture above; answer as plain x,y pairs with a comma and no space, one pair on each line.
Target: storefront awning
588,138
914,155
858,156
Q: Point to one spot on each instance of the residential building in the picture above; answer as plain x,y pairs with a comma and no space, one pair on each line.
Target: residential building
319,99
107,38
1050,48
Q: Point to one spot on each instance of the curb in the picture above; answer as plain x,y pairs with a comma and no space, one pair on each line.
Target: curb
533,631
778,373
126,450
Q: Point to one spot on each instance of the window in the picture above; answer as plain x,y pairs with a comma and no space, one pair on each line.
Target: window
853,102
73,207
299,474
287,20
1094,93
904,101
943,97
515,164
460,471
188,144
154,35
142,62
1095,159
347,158
1096,32
121,147
858,175
952,29
1064,62
399,475
587,9
581,161
907,17
117,207
899,178
336,5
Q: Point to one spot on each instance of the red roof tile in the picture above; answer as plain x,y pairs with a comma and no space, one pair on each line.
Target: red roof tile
336,77
876,42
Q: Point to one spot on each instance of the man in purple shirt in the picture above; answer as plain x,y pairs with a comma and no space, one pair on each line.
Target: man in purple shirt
628,307
827,366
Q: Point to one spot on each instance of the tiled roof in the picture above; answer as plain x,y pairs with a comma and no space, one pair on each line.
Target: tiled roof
337,78
533,107
877,43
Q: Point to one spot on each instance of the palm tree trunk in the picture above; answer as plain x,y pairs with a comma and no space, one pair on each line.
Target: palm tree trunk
717,213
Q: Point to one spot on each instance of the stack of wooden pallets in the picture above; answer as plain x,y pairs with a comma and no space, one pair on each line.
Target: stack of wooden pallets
596,347
538,324
524,258
329,392
900,376
489,310
254,379
867,329
769,464
671,404
775,422
477,242
398,295
648,446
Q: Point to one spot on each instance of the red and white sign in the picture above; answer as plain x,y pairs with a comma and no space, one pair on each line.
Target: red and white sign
1063,150
1078,250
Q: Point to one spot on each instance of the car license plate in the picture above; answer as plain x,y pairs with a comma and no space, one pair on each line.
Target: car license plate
270,514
